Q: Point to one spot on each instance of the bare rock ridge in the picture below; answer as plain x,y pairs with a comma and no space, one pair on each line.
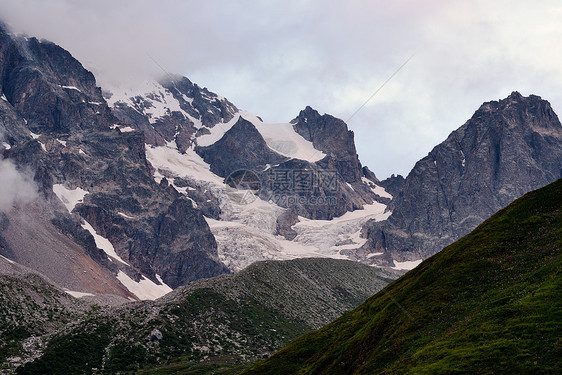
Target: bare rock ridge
507,148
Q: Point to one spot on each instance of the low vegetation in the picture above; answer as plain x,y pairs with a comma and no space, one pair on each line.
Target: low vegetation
489,303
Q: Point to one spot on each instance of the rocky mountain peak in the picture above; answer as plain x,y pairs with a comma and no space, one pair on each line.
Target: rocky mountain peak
49,88
241,147
506,149
305,115
330,135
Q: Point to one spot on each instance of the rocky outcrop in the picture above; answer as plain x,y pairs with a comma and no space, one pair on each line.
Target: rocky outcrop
394,184
506,149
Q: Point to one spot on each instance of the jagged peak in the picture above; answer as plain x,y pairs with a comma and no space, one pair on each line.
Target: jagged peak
306,114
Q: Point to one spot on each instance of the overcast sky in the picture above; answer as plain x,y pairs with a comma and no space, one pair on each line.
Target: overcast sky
273,58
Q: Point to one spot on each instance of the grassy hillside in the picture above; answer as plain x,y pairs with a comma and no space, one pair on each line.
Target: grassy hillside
220,324
489,303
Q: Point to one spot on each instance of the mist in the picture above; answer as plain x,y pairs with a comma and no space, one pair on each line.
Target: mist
15,187
273,58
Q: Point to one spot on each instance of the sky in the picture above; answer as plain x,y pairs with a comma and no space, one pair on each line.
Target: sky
273,58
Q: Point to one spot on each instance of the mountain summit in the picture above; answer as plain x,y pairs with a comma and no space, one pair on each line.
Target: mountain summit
506,149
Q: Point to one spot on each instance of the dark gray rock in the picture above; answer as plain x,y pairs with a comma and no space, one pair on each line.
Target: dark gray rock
393,185
507,148
241,148
330,135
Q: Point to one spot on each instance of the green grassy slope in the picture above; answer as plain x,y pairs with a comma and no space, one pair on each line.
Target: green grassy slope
489,303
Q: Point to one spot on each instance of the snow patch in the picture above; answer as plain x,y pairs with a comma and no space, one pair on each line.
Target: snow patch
188,165
124,215
61,142
70,198
126,129
378,190
6,145
7,260
407,265
78,294
144,289
217,132
283,139
103,243
71,88
34,136
369,256
3,97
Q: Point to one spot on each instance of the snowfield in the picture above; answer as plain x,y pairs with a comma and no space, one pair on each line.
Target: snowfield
245,233
70,198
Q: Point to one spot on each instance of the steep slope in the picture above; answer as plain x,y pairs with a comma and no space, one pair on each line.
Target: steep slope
507,148
97,195
489,303
227,320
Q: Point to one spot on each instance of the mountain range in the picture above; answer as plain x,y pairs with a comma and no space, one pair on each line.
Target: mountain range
167,191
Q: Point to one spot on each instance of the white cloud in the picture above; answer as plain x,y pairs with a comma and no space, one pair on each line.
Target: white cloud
15,187
275,57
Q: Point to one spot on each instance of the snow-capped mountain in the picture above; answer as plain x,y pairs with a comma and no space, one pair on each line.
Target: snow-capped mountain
280,220
98,222
134,192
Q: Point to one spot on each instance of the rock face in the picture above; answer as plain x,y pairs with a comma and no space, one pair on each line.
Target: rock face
241,148
57,124
506,149
330,134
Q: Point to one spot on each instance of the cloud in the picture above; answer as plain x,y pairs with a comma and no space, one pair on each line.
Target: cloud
15,187
275,57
